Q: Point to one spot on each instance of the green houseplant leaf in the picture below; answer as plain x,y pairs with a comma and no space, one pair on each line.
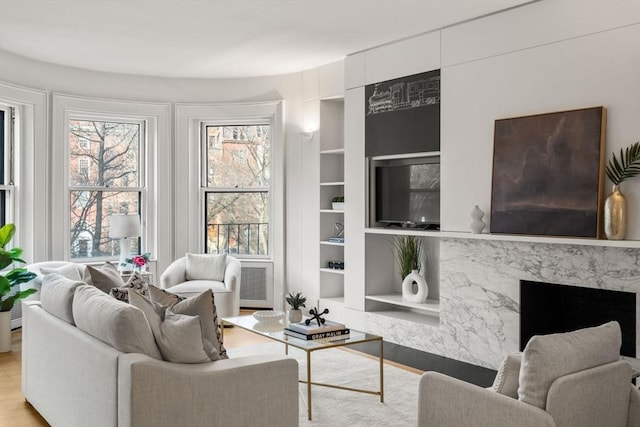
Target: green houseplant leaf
296,301
627,167
9,280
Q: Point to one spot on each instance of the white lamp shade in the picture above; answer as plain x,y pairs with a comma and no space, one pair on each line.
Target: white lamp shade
123,226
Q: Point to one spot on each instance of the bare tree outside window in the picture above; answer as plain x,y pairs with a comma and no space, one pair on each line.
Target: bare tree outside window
237,197
104,178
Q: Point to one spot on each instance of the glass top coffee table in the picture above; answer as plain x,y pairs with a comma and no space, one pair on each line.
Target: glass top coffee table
275,332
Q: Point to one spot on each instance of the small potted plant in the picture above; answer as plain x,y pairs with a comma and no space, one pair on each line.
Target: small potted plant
337,203
8,281
295,301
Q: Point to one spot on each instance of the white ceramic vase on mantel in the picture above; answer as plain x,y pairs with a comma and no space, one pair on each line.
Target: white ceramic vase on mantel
5,331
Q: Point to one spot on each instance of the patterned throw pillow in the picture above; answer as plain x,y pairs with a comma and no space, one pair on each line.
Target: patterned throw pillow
192,307
137,282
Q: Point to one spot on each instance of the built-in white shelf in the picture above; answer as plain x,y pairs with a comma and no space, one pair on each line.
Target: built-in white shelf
328,243
431,307
336,300
332,271
331,184
333,151
332,211
407,155
505,237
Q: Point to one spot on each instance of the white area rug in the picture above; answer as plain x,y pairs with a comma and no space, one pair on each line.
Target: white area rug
338,408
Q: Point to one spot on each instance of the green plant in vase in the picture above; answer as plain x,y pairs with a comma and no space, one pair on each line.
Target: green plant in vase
615,205
296,301
409,252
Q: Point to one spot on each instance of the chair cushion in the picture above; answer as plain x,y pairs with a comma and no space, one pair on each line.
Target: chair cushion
180,337
137,282
105,277
506,381
56,296
194,287
548,357
202,305
114,322
205,266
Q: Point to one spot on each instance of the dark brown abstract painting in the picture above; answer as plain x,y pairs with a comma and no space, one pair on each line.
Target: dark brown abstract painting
548,173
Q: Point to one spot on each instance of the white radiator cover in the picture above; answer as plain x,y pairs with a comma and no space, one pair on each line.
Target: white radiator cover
256,284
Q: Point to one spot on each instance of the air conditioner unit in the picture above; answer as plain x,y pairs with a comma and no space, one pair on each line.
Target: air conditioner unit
256,284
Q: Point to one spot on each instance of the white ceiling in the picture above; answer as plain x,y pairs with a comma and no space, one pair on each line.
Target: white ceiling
218,38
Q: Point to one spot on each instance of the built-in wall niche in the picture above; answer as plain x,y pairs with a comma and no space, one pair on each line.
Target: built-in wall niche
405,192
383,284
403,115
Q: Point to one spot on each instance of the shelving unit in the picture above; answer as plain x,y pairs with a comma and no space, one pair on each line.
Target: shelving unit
331,290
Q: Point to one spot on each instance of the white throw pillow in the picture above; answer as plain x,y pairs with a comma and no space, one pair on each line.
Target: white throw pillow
56,296
71,271
180,337
206,267
114,322
548,357
506,381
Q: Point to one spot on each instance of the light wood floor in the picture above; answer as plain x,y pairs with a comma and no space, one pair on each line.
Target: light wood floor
16,412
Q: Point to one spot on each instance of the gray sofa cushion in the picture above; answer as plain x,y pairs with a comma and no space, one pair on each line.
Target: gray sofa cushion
179,337
114,322
71,271
548,357
105,277
56,296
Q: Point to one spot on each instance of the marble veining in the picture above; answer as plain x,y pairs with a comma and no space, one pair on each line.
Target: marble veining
480,293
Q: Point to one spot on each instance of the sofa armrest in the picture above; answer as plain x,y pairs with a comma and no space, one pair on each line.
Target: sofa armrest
634,407
174,274
448,402
254,390
232,272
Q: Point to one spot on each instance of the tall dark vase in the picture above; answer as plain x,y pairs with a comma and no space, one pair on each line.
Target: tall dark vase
615,215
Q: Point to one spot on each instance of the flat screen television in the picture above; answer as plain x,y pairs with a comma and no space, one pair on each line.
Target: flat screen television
407,193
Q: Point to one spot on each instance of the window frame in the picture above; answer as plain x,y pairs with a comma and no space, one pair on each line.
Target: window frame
141,189
205,189
8,183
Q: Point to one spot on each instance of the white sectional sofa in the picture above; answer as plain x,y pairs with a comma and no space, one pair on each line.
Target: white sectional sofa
74,379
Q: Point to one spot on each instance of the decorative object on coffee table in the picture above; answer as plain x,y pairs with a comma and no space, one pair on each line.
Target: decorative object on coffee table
295,301
268,316
548,174
477,225
8,280
317,316
615,205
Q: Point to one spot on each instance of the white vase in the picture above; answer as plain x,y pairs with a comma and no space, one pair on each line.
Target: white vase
477,225
407,288
5,331
295,316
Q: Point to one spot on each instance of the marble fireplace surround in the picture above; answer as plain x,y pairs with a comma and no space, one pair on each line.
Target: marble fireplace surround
480,287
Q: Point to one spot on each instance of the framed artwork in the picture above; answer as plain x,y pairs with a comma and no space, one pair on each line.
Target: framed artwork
548,174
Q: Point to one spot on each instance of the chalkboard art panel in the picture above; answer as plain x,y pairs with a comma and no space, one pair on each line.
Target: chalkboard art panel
403,115
548,173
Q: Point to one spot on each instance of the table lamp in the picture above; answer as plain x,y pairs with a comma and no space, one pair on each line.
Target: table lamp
124,227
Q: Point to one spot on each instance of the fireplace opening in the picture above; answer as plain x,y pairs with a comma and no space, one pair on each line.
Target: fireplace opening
547,308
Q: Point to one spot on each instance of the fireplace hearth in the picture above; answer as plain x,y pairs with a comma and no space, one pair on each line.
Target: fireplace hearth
547,308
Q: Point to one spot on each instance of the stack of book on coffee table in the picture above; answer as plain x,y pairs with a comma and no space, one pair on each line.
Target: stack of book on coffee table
329,331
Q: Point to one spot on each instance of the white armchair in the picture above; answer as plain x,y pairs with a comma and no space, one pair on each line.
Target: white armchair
194,273
564,380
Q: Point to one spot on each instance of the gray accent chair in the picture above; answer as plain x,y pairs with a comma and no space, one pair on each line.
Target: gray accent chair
226,293
565,380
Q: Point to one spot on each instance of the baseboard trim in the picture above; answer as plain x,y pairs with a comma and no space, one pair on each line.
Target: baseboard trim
424,361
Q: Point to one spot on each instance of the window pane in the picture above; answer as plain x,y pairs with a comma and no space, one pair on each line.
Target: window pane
238,223
90,212
238,156
3,116
104,153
